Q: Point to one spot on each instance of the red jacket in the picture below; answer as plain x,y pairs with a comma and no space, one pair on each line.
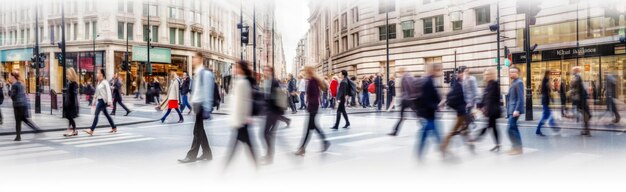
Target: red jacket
333,87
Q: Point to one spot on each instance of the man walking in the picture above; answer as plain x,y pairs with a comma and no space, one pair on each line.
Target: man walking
427,105
579,99
185,88
515,107
378,82
408,95
342,93
302,91
202,101
291,88
470,93
116,84
275,111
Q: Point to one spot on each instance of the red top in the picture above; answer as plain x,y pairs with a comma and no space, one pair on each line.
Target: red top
333,87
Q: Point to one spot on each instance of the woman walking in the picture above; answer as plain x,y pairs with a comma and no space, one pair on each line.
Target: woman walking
242,108
172,98
70,106
103,98
334,84
490,106
20,105
315,84
156,90
391,93
1,98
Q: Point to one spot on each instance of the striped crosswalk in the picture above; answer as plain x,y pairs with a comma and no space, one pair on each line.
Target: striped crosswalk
18,151
99,140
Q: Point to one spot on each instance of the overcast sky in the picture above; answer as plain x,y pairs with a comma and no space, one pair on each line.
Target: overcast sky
291,18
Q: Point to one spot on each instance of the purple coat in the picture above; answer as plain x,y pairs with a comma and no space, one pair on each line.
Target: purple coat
312,96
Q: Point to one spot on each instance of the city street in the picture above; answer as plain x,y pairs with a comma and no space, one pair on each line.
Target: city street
147,153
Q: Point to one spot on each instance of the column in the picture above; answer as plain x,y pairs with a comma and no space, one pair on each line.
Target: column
110,62
54,78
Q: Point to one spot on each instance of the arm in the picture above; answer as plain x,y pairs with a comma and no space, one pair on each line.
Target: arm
519,103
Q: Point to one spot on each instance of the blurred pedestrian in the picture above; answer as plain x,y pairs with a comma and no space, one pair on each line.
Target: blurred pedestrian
427,105
408,95
103,99
515,108
116,84
391,93
490,106
90,92
342,93
276,105
302,91
611,94
1,99
171,100
20,105
579,99
546,98
156,90
563,97
202,101
185,88
71,106
378,82
293,93
365,83
242,109
353,97
456,100
470,93
334,85
325,93
315,84
142,88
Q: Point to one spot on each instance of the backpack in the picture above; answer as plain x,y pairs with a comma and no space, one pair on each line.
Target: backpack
371,88
351,89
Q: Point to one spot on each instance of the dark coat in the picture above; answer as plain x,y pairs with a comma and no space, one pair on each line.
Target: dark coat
545,91
70,107
429,100
313,96
1,95
291,86
185,88
456,99
271,99
342,92
491,100
391,88
117,89
18,95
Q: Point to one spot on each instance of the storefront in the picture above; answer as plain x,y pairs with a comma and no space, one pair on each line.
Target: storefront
162,60
82,62
596,61
18,60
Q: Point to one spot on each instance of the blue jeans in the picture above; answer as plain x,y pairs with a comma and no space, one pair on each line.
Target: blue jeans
379,100
101,107
302,103
513,132
185,102
324,99
366,99
546,116
429,126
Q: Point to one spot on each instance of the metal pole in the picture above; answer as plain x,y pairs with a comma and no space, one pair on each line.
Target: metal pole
273,65
529,97
577,33
127,65
498,38
254,38
387,39
64,60
148,65
37,82
241,29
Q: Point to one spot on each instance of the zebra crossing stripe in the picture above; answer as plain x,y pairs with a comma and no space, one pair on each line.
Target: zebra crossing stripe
83,137
19,146
348,136
114,142
27,150
32,155
101,139
11,142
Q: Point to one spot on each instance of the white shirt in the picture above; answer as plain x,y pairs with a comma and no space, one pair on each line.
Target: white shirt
242,102
103,91
302,85
203,92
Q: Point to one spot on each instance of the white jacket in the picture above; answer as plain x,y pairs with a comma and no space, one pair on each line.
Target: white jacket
173,91
103,91
242,102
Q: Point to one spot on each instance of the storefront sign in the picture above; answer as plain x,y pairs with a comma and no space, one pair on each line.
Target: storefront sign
16,55
570,53
157,55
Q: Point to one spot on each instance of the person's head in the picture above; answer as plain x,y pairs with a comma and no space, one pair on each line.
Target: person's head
15,77
114,75
434,69
155,79
344,73
514,72
185,75
290,76
196,60
71,75
335,77
546,74
173,75
392,77
401,70
489,75
309,72
465,71
268,71
576,70
100,75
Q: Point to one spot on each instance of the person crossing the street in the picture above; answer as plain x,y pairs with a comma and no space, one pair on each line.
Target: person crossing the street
116,84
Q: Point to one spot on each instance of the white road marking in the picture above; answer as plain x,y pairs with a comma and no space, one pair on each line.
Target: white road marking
114,142
103,139
32,155
27,150
19,146
348,136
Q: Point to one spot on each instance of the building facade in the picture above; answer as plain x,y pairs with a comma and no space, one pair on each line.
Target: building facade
99,34
352,35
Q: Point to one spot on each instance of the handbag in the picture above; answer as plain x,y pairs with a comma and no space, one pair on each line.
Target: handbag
294,98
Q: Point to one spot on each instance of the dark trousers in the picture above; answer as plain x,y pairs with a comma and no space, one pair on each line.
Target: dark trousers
185,103
269,133
491,124
332,102
341,110
379,100
365,101
292,104
403,106
302,103
115,102
307,133
429,126
1,116
72,123
389,101
180,115
101,107
513,132
200,139
324,99
243,135
610,105
20,117
460,128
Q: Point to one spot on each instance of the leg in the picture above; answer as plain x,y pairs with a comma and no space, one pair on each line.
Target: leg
183,103
123,106
317,129
270,134
104,109
199,139
342,104
307,133
514,134
397,127
429,125
114,106
180,115
72,123
246,140
18,112
31,124
455,130
492,124
166,114
99,106
545,115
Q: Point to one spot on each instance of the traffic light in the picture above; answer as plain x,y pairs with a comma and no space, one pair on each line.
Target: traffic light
33,61
60,58
244,35
42,58
124,66
509,57
447,76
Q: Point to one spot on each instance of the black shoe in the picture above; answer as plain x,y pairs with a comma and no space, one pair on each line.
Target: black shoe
186,160
585,133
347,126
495,149
127,112
326,146
335,128
300,152
181,121
205,158
392,134
17,139
540,134
113,114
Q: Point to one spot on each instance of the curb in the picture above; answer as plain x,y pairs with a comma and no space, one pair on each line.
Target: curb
77,128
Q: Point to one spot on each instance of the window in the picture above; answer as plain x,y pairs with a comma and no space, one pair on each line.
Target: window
382,32
172,35
120,30
386,5
152,10
146,31
155,33
408,29
129,31
483,15
355,39
86,31
344,21
129,6
457,25
94,29
198,40
181,36
344,43
428,24
354,12
75,32
193,37
120,6
336,23
432,60
336,46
